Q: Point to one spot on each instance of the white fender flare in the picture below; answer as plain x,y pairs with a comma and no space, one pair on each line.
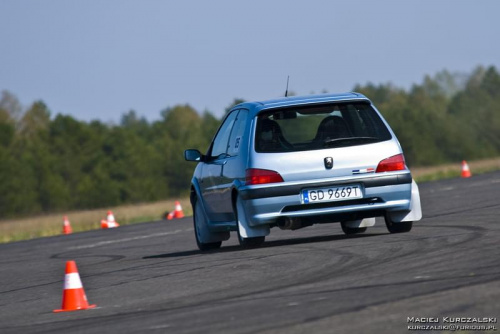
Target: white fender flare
415,212
247,231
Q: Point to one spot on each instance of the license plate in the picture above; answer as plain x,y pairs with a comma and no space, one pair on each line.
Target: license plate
330,194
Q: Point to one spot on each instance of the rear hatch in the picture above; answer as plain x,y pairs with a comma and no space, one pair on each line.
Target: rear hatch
336,141
348,162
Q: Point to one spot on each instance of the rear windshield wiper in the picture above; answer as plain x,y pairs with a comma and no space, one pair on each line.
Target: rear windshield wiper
351,140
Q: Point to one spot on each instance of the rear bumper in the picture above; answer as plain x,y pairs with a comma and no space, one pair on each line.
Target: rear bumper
386,193
277,190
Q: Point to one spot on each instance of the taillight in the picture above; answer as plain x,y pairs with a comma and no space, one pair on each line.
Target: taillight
261,176
391,164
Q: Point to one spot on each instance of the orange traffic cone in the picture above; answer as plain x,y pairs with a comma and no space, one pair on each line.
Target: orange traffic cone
66,226
177,213
465,169
74,297
109,222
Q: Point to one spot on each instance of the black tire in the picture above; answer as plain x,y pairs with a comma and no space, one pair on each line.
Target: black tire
401,227
208,246
351,230
250,242
201,245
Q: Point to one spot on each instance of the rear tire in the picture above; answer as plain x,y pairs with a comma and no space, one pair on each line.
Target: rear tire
351,230
400,227
250,242
200,228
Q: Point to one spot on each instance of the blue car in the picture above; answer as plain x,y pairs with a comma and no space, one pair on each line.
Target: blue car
298,161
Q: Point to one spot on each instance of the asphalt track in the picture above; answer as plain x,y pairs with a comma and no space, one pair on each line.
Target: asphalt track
150,278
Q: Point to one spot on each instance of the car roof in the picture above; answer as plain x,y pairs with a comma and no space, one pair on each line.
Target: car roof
301,100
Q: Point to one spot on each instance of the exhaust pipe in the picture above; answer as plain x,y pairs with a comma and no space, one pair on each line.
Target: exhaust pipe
290,223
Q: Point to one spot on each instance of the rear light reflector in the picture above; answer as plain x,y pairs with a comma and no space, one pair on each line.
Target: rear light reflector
261,176
392,164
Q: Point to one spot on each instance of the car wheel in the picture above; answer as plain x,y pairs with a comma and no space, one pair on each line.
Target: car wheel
201,228
246,242
351,230
250,242
394,227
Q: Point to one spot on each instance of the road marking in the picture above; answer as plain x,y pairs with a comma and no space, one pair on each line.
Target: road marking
108,242
160,326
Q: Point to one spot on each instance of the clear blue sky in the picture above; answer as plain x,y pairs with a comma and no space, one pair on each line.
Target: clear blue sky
99,59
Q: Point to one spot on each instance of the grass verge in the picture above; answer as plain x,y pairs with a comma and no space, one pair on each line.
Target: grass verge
49,225
425,174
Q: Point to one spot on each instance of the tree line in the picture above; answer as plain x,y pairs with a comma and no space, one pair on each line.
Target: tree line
55,163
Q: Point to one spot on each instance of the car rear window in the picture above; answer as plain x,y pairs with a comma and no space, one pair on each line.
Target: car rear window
319,127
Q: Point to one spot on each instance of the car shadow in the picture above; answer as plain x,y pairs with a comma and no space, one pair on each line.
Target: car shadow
267,244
